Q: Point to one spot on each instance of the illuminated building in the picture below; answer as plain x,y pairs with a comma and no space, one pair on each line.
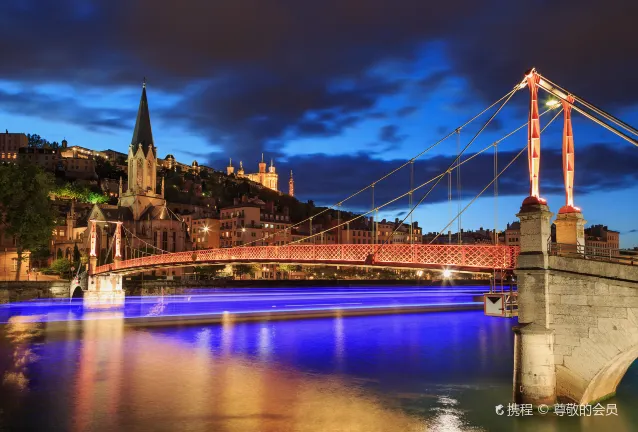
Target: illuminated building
142,208
204,232
10,144
254,222
269,179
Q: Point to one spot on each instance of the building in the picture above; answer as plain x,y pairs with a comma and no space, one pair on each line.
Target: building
513,234
600,240
10,145
398,233
204,232
9,259
149,225
255,223
46,158
268,179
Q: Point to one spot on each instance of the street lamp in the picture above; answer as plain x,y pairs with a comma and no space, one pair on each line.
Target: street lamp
447,273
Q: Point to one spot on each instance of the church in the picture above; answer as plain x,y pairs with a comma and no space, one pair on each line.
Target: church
149,225
268,179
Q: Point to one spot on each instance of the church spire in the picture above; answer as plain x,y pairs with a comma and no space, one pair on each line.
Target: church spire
142,133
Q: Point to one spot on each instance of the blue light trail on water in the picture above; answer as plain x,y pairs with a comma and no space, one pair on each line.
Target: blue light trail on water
217,302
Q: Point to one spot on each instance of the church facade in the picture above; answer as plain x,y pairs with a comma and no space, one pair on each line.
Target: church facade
150,227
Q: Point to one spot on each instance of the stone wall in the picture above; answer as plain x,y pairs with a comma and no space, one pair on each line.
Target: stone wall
578,318
25,290
593,311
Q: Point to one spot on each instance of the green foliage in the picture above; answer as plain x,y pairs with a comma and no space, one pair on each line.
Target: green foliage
78,192
27,210
40,253
76,254
61,266
246,269
96,198
211,270
287,268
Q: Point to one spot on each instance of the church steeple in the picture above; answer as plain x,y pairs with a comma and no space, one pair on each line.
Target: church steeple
142,132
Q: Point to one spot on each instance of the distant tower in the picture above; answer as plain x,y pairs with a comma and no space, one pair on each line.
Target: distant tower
230,169
272,167
240,171
291,185
64,143
262,171
71,219
162,187
119,191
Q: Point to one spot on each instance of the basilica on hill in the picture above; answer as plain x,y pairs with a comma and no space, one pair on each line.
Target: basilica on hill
268,179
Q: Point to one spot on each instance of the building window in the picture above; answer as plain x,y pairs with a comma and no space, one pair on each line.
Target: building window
165,240
14,263
174,241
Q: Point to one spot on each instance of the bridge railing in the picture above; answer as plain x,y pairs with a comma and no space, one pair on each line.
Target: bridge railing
596,253
454,256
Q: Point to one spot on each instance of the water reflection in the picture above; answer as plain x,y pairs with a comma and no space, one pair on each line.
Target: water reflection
22,332
390,373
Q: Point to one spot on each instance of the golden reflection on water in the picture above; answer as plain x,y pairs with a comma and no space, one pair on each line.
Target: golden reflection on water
21,332
136,378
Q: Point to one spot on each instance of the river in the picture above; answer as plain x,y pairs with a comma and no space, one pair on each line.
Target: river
442,371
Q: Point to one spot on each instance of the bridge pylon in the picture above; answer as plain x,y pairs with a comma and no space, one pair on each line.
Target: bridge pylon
104,290
534,370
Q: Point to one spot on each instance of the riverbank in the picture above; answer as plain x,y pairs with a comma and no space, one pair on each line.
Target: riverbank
138,287
15,291
12,291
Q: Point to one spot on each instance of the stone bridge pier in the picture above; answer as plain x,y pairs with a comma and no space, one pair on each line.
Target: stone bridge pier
578,318
104,290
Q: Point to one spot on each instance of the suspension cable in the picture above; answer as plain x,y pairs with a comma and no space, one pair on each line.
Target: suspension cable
506,96
494,179
457,159
422,185
593,107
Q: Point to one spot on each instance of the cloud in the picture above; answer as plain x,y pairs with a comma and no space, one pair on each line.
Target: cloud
406,111
495,48
344,175
390,134
66,109
253,74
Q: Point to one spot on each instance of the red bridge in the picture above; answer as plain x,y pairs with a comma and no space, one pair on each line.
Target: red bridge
452,257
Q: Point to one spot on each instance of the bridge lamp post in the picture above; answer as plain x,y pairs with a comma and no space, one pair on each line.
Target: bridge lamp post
447,273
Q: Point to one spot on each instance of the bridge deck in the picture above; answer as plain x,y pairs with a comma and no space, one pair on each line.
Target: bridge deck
459,257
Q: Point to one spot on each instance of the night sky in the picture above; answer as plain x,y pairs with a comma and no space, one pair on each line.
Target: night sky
340,91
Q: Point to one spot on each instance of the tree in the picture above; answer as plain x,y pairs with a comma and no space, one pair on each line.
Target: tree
26,208
61,266
36,141
76,255
246,269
